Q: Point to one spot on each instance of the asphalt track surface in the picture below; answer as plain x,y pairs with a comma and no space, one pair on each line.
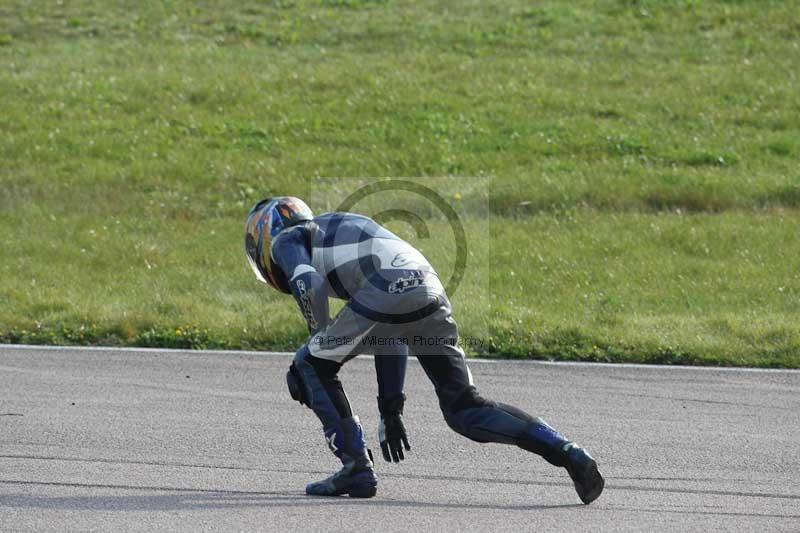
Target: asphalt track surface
116,440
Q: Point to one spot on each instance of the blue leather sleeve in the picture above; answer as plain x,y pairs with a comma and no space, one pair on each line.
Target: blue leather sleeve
390,369
308,287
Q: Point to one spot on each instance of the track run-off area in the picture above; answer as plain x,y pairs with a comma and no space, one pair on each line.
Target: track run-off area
145,439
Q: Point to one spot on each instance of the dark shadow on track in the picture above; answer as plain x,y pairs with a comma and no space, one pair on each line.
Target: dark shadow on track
566,482
196,499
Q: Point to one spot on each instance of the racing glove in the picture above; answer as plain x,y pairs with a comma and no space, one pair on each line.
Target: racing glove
391,431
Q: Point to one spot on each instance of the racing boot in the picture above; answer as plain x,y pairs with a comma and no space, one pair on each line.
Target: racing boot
356,478
542,439
583,470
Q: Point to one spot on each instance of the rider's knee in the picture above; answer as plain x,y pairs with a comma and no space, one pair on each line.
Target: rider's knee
304,363
294,377
457,412
297,388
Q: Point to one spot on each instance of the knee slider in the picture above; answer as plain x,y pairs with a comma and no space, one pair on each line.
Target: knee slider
295,383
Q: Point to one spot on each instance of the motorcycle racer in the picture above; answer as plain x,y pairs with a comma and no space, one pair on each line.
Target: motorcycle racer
395,305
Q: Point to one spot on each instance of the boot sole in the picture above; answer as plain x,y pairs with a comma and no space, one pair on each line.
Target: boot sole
363,492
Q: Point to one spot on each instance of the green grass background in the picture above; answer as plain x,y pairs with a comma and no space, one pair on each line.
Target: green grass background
641,161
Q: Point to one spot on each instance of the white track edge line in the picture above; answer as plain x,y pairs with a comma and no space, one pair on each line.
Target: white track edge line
471,360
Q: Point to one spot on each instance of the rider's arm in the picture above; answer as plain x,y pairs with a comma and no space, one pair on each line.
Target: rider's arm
308,287
390,367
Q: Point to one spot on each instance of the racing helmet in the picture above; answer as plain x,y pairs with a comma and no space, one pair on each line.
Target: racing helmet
264,221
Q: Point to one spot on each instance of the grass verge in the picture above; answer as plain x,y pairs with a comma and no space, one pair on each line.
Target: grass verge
644,189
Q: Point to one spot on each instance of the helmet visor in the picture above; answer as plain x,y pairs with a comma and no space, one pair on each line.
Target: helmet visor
256,270
252,249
